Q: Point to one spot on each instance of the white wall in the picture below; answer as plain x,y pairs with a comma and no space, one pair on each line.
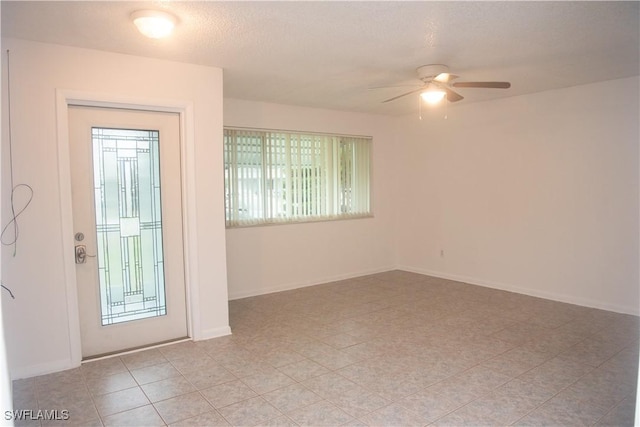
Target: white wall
6,398
39,338
270,258
537,194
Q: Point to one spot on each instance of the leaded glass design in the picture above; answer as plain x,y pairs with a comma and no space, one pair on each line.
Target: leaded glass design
126,167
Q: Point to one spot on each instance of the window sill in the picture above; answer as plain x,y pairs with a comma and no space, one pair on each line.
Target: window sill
300,221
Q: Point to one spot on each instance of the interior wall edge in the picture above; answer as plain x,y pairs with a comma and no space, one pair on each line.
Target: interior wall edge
553,296
298,285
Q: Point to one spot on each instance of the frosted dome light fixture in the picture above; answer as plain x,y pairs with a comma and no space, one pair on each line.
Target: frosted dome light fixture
154,24
433,96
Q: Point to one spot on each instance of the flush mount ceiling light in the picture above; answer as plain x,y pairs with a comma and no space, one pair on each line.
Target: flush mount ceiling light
154,24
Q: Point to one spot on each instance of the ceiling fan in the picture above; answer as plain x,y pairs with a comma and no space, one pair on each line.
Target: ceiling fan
438,83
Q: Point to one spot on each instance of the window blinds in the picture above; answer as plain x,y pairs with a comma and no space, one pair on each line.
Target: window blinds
274,176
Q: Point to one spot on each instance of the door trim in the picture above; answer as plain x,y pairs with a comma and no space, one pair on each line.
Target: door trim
65,98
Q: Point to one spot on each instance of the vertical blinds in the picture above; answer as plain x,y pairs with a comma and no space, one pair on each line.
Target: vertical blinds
274,176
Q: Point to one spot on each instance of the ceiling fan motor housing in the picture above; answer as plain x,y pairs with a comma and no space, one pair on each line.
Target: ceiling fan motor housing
427,73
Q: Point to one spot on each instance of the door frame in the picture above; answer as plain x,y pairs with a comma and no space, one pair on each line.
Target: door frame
65,98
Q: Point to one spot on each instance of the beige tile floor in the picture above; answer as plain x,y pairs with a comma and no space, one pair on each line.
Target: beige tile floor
391,349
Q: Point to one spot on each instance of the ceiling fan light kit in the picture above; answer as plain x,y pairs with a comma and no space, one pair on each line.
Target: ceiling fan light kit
433,95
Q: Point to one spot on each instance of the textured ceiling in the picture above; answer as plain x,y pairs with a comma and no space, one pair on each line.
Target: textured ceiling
327,54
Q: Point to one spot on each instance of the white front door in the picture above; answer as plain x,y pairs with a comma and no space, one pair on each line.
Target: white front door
127,218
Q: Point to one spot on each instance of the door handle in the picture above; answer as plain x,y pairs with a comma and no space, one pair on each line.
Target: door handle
81,254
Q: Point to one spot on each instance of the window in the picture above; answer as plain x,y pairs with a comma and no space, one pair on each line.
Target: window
276,177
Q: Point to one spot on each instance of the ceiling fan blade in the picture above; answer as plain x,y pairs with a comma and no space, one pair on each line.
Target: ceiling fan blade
489,85
390,87
452,96
404,94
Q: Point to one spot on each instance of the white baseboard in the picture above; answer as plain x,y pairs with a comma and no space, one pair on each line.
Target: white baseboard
42,369
214,333
298,285
569,299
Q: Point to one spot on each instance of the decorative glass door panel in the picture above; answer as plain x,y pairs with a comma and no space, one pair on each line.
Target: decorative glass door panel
128,224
